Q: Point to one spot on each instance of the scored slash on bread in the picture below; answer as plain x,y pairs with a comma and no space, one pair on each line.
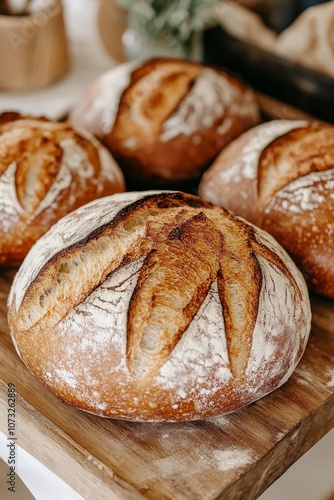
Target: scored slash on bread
187,263
187,244
38,156
292,155
144,106
239,285
47,169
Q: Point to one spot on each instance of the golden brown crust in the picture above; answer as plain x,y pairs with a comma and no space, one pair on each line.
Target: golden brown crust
160,307
280,176
10,116
172,118
187,263
240,307
307,149
47,169
146,96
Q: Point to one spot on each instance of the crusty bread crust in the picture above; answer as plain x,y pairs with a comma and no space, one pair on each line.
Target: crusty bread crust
158,306
165,120
280,176
47,169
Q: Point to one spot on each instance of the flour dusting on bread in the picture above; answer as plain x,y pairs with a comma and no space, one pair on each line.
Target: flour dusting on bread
47,170
138,322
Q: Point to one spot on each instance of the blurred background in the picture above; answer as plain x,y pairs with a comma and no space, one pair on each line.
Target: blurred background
284,48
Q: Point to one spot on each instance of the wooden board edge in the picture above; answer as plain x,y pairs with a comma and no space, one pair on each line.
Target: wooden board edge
282,456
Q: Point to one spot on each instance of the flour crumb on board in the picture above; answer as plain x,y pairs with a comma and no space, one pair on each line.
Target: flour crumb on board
98,464
171,465
232,458
222,421
304,376
222,460
330,375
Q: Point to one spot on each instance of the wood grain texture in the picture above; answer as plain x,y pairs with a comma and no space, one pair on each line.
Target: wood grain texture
235,456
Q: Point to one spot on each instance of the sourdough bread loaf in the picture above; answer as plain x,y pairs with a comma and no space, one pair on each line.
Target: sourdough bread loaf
280,176
158,306
47,169
165,120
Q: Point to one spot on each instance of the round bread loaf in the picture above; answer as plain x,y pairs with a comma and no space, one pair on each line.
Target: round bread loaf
280,176
47,169
158,306
165,120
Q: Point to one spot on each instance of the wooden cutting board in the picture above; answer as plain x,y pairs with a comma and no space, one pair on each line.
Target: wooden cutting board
234,456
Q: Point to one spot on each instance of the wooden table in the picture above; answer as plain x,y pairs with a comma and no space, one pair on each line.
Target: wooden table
231,457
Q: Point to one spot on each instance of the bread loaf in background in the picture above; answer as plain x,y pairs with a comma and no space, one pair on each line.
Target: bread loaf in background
165,120
158,306
47,169
280,176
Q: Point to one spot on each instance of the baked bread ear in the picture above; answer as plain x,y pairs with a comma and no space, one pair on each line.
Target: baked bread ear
158,306
165,120
47,169
280,176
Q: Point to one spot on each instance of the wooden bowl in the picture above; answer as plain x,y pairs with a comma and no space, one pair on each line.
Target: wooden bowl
33,49
112,21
